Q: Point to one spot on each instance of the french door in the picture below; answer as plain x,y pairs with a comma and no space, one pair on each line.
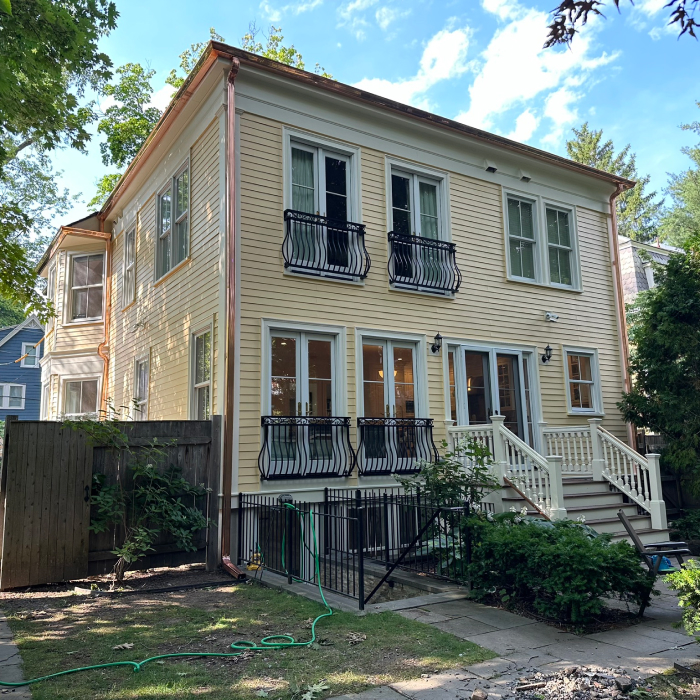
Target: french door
320,185
302,377
493,382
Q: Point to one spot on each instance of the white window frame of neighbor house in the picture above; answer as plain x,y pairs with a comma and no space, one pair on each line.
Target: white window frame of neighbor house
594,383
542,247
65,381
27,350
45,401
140,403
170,234
6,396
129,268
72,287
196,387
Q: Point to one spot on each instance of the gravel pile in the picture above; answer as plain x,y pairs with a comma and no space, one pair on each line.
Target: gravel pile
576,683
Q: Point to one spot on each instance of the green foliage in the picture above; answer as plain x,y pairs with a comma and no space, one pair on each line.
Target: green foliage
637,211
681,224
560,569
6,7
686,583
686,527
105,186
11,313
189,59
275,50
50,54
446,480
665,362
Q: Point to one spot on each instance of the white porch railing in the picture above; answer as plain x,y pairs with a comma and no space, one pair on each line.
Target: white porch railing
584,450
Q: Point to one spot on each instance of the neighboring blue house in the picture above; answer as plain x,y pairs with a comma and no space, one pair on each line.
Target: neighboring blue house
20,382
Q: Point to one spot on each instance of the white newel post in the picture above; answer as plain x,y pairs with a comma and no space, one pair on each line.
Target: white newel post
450,436
657,507
557,511
499,448
598,459
541,425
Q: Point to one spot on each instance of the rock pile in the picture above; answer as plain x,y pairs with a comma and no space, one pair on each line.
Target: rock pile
576,683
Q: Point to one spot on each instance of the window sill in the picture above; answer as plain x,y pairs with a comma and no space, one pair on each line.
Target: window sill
534,283
129,305
421,292
321,277
91,322
587,414
171,272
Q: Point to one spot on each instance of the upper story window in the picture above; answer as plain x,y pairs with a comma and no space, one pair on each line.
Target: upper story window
583,382
80,397
129,281
141,373
172,244
201,375
415,205
87,280
542,253
12,396
30,355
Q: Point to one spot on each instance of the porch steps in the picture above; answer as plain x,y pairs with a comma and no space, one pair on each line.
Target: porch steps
598,502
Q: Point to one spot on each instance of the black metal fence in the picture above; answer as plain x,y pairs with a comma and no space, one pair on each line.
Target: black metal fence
317,245
423,264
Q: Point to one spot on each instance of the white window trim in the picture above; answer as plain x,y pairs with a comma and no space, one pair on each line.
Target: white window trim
290,135
5,400
126,301
171,183
68,312
541,243
596,393
422,408
45,401
201,330
339,359
25,348
440,177
138,405
78,378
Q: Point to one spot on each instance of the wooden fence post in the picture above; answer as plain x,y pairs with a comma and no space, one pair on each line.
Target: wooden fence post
213,477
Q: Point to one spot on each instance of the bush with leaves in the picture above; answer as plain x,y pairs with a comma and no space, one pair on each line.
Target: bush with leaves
686,527
561,570
686,583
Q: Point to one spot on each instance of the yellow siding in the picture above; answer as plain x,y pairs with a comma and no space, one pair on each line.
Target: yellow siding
159,323
487,308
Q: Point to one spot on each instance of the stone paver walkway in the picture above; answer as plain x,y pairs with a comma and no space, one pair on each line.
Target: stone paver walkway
523,645
10,664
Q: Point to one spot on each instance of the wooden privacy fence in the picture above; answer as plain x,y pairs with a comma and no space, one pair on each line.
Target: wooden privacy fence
45,485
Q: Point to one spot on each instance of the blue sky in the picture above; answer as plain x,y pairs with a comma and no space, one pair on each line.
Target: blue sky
478,62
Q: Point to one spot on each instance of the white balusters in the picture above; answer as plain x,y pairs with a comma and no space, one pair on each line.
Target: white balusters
573,445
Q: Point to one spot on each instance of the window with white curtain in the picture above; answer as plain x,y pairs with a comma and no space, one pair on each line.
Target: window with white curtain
30,355
80,398
12,396
201,375
415,204
129,279
141,373
87,281
172,243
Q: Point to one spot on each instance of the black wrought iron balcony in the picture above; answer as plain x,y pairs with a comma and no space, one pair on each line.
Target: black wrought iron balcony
395,445
295,447
423,264
317,245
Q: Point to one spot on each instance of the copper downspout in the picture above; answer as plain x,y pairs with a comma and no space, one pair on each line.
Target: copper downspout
620,299
229,401
103,347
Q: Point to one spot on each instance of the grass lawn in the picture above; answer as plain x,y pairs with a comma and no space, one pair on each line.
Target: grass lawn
55,634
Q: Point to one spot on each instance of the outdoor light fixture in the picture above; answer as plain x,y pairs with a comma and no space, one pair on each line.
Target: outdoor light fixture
435,347
547,355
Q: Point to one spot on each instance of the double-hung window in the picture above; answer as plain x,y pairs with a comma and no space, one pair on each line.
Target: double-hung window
201,386
30,355
129,278
415,205
80,397
87,280
583,383
172,244
12,396
141,389
541,242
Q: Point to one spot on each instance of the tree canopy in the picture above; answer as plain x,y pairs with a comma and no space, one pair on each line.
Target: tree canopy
638,211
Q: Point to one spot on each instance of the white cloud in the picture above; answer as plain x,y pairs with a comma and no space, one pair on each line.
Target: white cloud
444,57
515,71
274,14
525,126
161,98
650,8
559,107
386,16
349,15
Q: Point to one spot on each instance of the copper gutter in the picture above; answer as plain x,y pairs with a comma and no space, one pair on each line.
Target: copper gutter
229,400
103,347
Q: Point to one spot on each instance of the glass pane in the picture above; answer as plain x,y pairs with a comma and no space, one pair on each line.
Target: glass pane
284,357
303,181
516,265
477,387
88,400
284,370
528,404
15,397
80,271
509,392
552,226
527,256
581,395
526,220
202,402
513,217
320,397
336,176
129,246
164,260
182,185
580,367
404,394
30,359
141,380
560,266
165,211
320,382
95,263
181,240
80,299
452,383
373,375
320,359
585,365
94,305
428,210
72,397
401,204
564,233
202,371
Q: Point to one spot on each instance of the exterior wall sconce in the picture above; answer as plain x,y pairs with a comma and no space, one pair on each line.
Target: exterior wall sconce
547,355
435,347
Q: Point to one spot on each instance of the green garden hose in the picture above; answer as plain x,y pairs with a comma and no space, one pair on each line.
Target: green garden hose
274,641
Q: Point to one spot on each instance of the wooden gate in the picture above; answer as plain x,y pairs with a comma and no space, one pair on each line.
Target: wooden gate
45,484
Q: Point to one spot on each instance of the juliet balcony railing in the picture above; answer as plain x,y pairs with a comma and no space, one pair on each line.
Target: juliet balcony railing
423,264
394,445
317,245
305,446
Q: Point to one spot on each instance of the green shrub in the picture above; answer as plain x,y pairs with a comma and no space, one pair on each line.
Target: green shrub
687,527
560,569
686,583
